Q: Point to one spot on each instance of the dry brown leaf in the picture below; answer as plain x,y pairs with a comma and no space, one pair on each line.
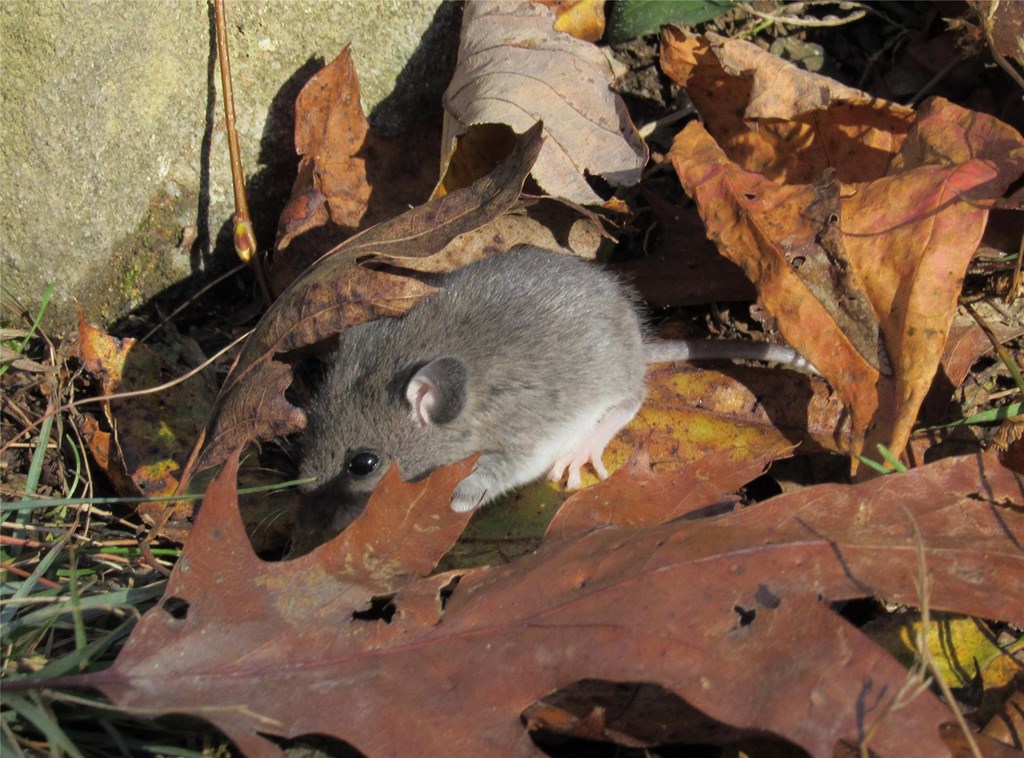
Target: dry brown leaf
727,613
329,131
349,178
747,412
623,499
756,223
928,215
543,222
515,69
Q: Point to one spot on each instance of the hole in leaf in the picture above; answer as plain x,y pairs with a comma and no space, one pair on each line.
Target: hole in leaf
177,607
747,616
448,590
382,608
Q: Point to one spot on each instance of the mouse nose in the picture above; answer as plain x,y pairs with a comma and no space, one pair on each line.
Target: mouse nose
323,514
330,508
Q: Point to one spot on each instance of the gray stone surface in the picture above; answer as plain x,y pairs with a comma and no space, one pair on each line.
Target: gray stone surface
112,140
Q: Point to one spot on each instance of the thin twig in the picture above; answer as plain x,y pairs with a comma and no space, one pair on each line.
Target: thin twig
934,81
986,28
924,591
25,574
244,236
859,12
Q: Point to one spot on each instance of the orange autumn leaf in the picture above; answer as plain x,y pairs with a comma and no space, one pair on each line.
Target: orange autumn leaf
778,120
863,277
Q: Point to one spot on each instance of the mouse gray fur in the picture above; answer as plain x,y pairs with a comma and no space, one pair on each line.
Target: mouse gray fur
531,358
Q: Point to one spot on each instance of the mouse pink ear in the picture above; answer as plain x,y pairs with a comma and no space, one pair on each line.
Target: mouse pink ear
437,392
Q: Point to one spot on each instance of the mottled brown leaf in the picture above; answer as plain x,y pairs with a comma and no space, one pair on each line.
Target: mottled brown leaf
539,221
636,496
514,68
329,131
928,215
728,613
746,412
755,223
349,178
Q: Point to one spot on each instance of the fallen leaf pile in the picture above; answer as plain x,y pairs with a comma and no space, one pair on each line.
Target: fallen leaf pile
654,610
840,209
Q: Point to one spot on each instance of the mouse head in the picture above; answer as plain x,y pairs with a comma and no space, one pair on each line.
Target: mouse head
368,416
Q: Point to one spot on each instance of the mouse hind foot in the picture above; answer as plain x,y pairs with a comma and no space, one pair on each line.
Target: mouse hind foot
591,445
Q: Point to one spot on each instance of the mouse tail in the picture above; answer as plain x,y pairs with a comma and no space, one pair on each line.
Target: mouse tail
726,350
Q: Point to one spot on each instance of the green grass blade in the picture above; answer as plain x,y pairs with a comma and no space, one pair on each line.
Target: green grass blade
990,416
55,736
47,294
79,659
114,599
35,470
26,587
57,502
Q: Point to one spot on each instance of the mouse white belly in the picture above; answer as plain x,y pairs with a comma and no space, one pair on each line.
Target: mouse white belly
562,453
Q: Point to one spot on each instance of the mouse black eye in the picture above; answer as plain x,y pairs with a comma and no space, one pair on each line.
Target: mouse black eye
363,463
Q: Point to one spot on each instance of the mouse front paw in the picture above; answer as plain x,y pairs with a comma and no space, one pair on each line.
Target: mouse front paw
468,496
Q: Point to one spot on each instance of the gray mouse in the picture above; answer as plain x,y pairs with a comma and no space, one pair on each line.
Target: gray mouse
533,359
